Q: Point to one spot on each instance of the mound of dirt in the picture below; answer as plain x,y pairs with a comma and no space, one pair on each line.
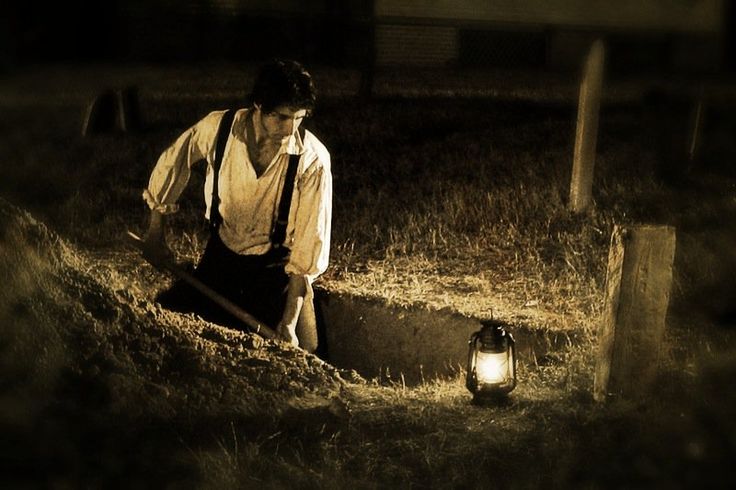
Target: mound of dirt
96,379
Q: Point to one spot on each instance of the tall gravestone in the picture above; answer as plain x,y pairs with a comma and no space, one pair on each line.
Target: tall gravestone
591,86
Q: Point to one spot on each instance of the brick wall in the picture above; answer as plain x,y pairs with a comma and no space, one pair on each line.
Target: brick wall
419,45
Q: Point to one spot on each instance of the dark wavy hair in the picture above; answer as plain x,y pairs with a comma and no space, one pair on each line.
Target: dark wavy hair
282,82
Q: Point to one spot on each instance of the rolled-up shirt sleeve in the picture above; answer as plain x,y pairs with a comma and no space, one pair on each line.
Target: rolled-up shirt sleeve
171,173
310,249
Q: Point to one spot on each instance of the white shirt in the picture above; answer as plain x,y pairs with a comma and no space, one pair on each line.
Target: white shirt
248,203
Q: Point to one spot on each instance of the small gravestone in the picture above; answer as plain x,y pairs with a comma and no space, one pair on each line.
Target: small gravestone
113,110
101,116
128,109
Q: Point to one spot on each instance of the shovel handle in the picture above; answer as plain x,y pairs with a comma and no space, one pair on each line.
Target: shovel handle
252,322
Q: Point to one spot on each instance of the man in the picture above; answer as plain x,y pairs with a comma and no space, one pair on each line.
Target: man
269,206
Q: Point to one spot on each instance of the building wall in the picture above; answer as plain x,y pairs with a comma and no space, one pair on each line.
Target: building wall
280,6
668,15
651,35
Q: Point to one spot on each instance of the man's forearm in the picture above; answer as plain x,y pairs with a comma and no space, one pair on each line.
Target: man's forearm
297,290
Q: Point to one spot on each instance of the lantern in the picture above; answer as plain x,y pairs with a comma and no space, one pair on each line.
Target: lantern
491,361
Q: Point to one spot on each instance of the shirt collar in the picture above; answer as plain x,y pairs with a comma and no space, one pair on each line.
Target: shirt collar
294,145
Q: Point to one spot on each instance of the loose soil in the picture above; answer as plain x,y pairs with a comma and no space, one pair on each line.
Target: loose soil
93,369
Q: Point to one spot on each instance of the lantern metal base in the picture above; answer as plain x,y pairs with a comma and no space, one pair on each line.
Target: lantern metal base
498,399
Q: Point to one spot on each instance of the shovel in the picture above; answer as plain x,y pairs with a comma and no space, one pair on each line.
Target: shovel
255,325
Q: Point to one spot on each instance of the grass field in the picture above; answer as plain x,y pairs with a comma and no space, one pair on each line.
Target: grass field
478,168
450,192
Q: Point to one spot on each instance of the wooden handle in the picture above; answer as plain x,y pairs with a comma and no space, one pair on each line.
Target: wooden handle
255,325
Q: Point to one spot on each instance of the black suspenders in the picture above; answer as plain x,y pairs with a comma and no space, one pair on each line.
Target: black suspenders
223,132
278,231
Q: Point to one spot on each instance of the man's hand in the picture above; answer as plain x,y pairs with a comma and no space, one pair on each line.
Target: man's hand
287,333
154,247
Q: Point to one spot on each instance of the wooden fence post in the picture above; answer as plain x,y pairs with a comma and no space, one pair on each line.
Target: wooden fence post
586,135
638,285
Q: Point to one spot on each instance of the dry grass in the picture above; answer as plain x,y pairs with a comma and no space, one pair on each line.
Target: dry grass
549,435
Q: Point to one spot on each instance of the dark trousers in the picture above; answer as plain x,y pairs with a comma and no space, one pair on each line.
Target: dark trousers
256,283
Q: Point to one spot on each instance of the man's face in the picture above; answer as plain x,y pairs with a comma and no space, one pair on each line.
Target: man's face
280,123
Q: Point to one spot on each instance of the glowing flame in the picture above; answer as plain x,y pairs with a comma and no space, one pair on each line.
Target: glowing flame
492,368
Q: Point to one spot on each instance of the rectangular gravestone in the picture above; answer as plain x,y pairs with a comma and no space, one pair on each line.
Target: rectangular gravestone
638,287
